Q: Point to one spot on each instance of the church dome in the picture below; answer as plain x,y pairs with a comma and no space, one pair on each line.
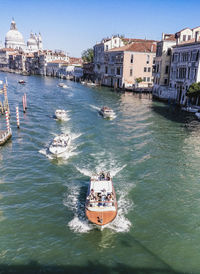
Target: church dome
32,41
13,37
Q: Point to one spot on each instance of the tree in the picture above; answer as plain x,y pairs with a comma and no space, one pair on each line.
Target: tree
138,80
88,55
194,90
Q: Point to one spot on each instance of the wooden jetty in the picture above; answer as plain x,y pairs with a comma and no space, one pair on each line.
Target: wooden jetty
5,135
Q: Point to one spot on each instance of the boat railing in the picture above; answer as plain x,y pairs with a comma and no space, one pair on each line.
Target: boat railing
101,203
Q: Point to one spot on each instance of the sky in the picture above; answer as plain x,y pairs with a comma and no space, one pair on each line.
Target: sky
74,26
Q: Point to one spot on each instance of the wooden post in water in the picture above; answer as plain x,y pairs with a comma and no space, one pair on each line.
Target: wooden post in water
7,121
23,102
17,116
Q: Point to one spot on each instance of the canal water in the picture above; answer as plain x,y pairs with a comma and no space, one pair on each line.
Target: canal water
153,153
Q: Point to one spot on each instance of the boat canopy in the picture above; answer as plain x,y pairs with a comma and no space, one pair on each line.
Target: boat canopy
100,186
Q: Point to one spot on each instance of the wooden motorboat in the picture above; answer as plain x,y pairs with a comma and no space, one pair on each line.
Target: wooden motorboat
107,113
101,202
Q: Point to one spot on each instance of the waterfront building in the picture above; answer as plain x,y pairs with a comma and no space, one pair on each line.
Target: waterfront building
88,71
161,68
185,66
4,56
99,51
119,61
177,64
123,66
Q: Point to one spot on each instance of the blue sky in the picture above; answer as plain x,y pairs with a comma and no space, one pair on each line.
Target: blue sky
77,25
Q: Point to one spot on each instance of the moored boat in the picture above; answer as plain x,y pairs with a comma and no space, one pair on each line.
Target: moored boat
61,114
107,113
59,145
5,136
101,202
190,109
197,114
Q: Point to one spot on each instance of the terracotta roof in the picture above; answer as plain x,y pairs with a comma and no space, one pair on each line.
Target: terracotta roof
74,60
138,47
171,37
137,40
7,49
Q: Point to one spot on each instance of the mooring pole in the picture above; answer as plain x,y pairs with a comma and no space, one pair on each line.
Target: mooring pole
17,116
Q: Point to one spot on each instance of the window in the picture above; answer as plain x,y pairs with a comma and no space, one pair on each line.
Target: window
184,37
148,79
148,59
131,72
189,37
106,70
106,47
169,51
145,69
144,79
149,69
118,71
166,69
131,58
165,81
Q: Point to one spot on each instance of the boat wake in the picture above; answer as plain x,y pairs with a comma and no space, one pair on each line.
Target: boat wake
101,167
80,223
95,107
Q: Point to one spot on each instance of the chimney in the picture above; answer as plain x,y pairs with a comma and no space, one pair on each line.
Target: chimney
152,48
196,36
163,36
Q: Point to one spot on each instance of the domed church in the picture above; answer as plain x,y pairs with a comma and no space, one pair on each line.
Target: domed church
15,40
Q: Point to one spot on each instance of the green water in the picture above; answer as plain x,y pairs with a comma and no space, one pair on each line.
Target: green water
153,153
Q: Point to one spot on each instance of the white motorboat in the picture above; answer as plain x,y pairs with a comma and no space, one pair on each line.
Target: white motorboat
61,114
60,144
197,114
91,84
190,109
101,202
107,113
62,85
22,82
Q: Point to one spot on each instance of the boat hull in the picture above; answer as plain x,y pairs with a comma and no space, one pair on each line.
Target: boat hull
100,218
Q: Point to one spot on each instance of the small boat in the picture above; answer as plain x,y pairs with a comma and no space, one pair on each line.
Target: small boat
60,144
190,109
91,84
197,114
61,114
107,113
5,136
101,202
62,85
22,82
